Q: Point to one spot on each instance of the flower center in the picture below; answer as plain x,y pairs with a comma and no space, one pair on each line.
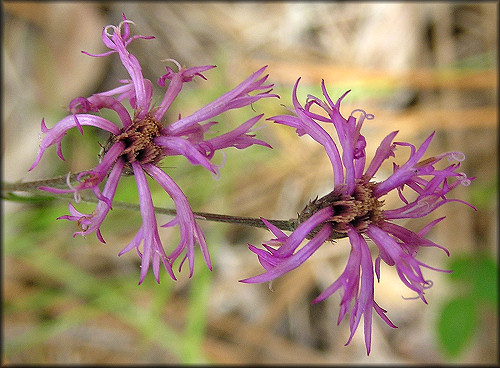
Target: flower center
359,210
138,140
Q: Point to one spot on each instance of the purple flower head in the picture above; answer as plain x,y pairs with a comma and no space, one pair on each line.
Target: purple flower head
142,139
354,209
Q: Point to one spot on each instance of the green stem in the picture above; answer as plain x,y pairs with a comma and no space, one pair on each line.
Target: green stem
61,181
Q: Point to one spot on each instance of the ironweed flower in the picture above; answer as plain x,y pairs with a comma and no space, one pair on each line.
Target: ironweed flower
354,209
142,140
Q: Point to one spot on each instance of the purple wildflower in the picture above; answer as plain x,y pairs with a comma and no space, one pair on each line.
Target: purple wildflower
141,140
354,209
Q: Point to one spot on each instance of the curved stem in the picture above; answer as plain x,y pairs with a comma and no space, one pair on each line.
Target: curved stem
32,187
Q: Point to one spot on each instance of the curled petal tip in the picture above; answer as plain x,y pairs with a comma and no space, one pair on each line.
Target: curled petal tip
35,163
99,236
44,127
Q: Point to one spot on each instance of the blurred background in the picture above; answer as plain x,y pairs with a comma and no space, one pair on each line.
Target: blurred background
418,67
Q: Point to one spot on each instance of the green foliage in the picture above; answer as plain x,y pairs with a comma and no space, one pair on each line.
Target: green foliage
476,278
196,321
457,324
480,61
484,194
32,199
63,282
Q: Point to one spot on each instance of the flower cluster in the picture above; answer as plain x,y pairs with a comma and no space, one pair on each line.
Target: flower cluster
142,139
354,209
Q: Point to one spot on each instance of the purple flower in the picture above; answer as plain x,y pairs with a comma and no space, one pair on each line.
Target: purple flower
354,209
142,139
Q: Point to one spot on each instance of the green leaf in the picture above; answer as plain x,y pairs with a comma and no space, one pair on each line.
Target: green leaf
456,325
484,194
461,267
486,280
479,272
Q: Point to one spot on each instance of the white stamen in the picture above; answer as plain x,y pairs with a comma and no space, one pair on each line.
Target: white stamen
115,29
76,196
216,175
457,156
464,180
173,61
125,21
271,286
364,115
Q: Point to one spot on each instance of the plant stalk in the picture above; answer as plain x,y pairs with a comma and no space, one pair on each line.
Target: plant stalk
62,181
